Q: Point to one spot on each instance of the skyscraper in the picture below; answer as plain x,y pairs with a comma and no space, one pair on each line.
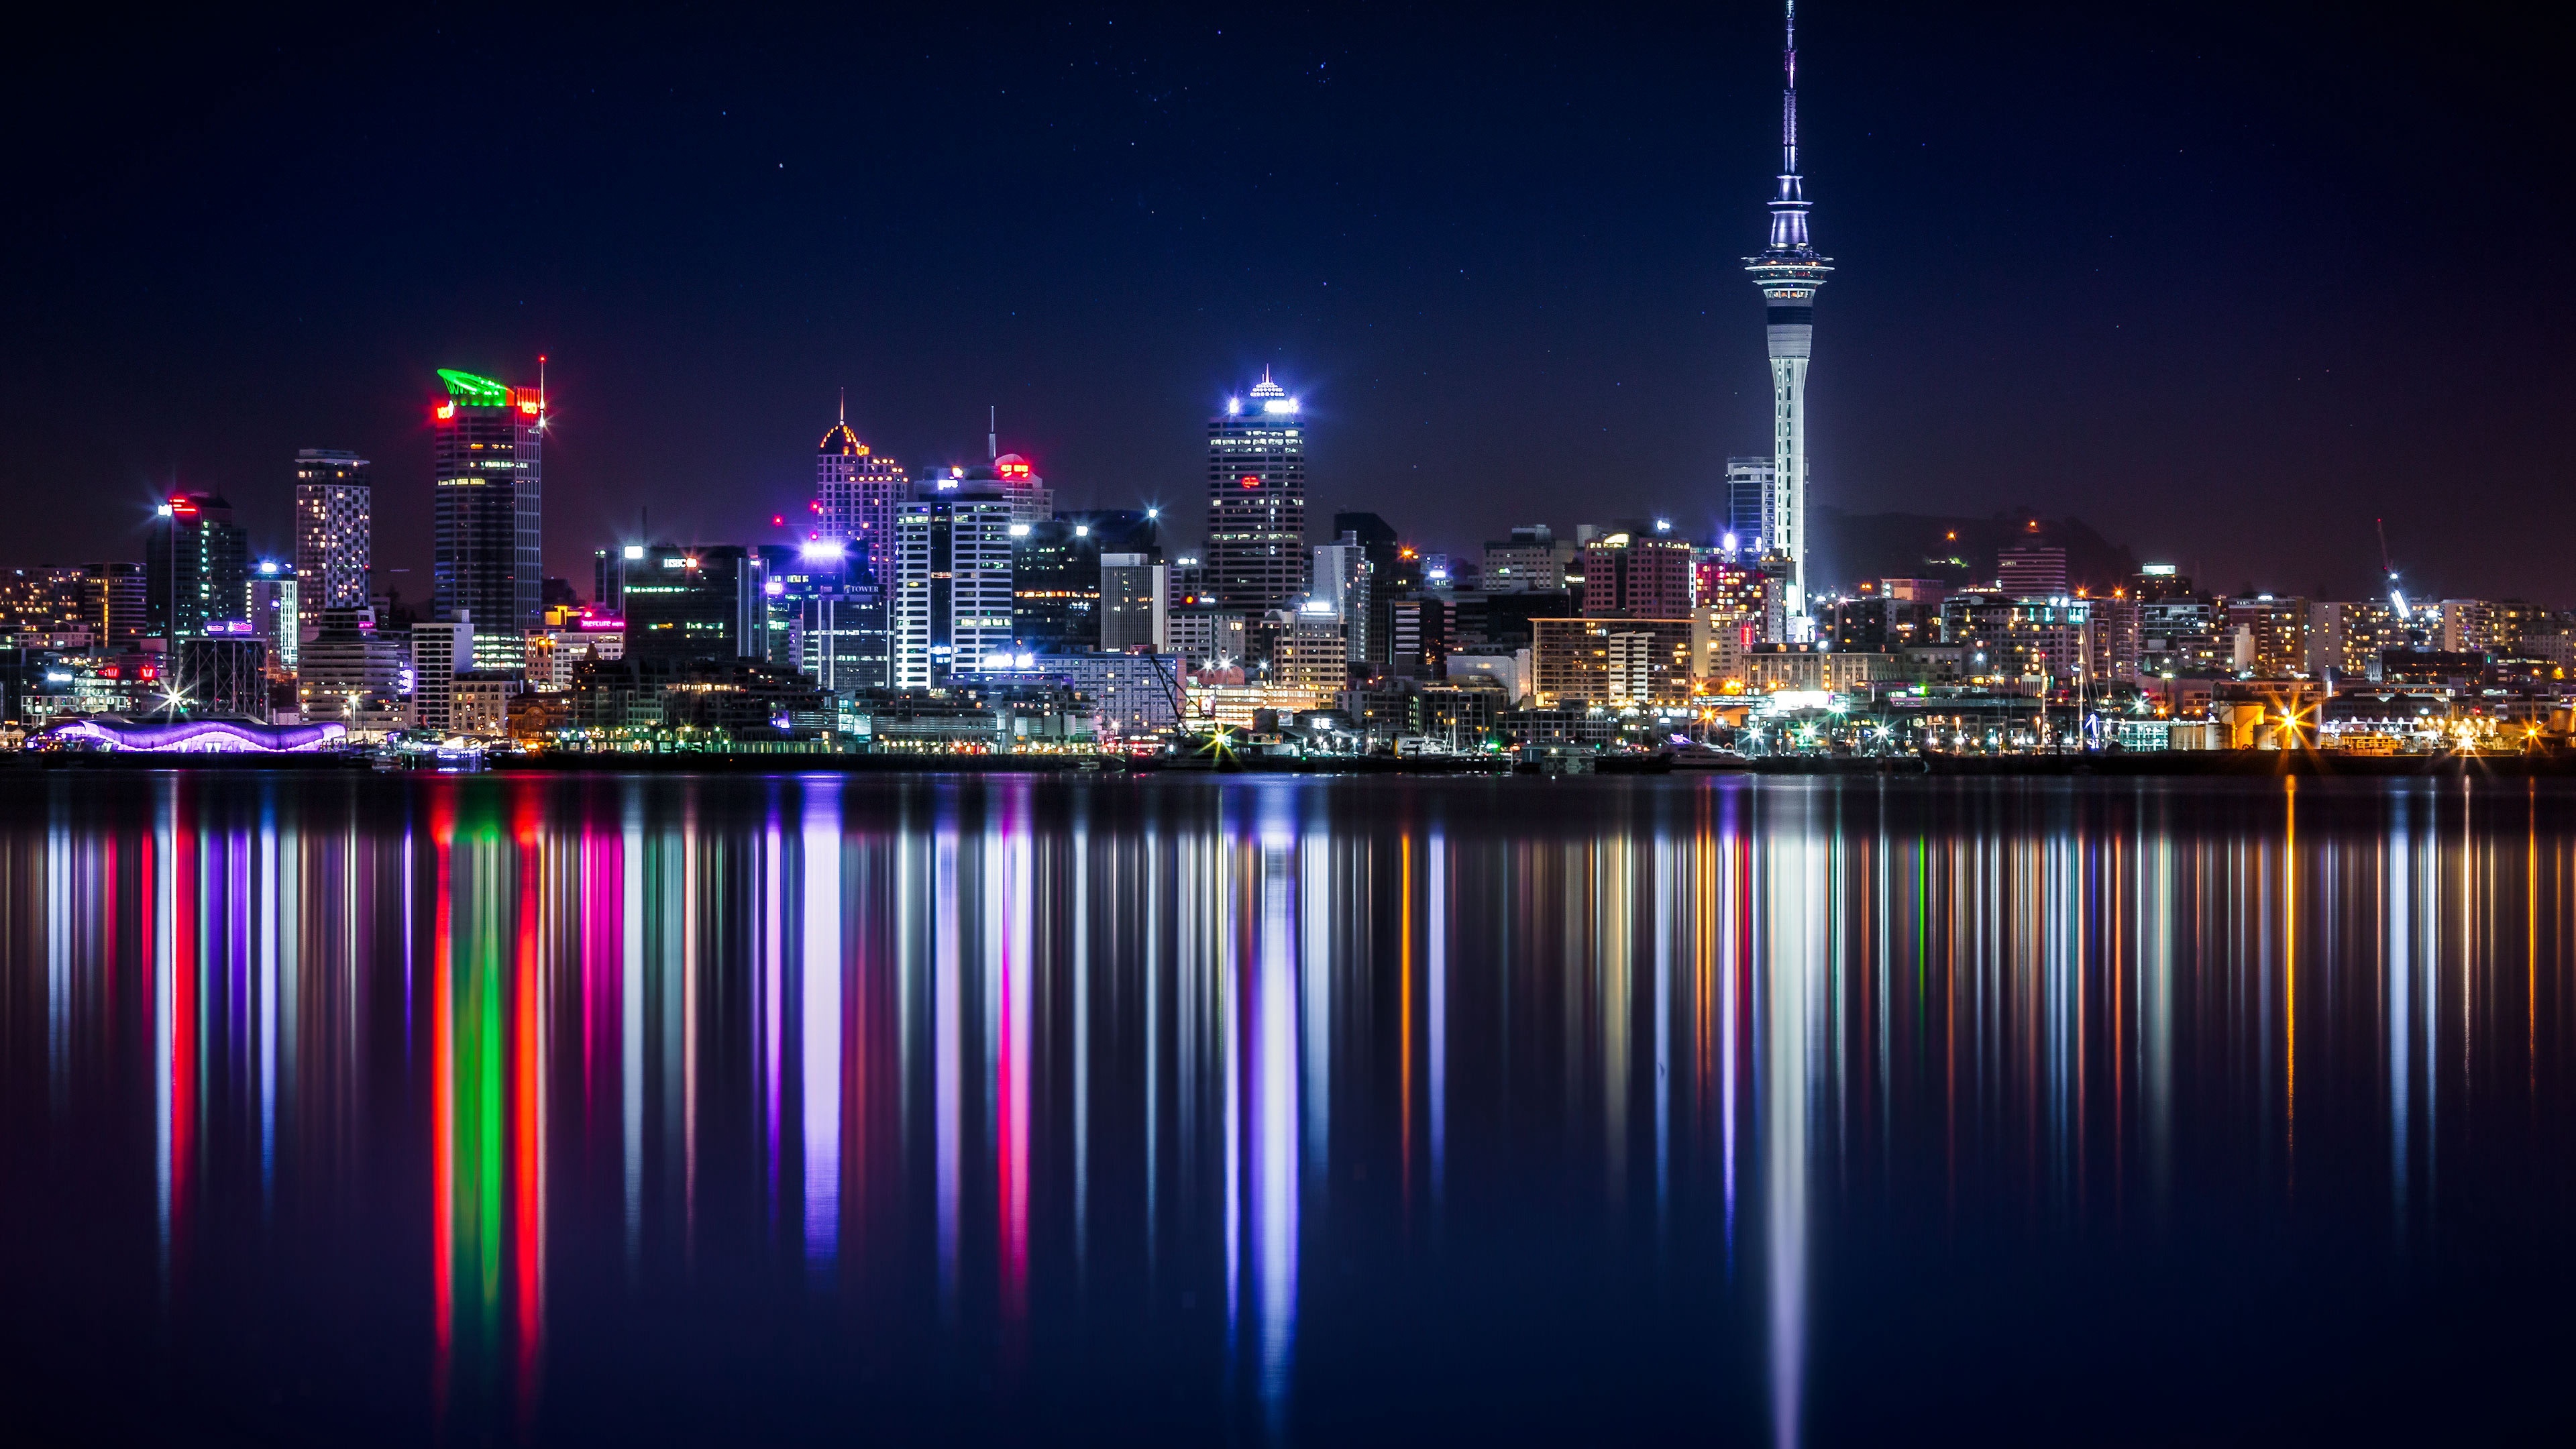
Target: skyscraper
1789,273
197,566
334,522
1751,485
856,494
952,602
1256,532
698,602
489,546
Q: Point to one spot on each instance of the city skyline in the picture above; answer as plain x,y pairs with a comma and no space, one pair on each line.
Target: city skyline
2035,157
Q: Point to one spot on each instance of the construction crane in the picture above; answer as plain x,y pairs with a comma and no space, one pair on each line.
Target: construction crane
2396,595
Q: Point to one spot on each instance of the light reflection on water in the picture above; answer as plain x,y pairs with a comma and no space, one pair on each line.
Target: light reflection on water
651,1107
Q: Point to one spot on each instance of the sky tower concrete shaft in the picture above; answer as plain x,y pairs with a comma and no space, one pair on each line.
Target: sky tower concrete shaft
1789,273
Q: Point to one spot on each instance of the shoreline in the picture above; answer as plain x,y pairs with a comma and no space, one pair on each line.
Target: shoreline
2192,763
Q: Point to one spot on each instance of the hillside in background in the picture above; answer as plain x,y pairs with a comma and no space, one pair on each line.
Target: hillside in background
1850,547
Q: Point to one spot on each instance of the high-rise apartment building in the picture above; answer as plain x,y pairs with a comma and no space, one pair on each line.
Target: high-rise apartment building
856,493
334,528
1256,527
1789,274
2468,626
488,559
440,650
115,605
952,599
195,567
1636,576
2266,637
41,609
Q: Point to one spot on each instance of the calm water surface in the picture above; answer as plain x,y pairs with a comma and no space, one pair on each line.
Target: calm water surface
807,1109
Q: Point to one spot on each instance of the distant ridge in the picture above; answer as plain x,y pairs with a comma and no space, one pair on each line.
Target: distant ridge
1851,547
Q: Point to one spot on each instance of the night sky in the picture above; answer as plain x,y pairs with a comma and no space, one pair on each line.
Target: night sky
2226,286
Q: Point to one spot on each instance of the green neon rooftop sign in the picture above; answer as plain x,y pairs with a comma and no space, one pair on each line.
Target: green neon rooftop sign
481,392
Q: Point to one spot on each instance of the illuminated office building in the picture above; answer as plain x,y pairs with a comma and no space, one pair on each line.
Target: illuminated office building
856,493
195,567
1256,525
952,598
488,560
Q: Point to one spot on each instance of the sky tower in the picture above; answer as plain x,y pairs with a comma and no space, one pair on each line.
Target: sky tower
1789,272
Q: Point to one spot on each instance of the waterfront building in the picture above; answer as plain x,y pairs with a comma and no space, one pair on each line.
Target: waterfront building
334,528
441,649
478,702
1789,273
1256,523
350,672
1601,659
1814,669
1128,693
488,560
195,567
224,675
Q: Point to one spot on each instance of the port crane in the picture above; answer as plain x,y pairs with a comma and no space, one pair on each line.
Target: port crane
2396,595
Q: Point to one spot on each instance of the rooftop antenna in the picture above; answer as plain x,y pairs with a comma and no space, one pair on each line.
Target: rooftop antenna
845,407
993,433
541,390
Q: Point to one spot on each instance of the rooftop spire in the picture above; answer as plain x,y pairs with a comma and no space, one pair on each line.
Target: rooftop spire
1789,94
1789,203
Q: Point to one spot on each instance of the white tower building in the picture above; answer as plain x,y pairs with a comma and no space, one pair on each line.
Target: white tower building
1789,273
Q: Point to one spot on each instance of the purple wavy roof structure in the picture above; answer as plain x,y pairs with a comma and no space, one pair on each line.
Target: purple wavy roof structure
201,736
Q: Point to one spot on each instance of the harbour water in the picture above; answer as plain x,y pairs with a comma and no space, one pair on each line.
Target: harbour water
577,1109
